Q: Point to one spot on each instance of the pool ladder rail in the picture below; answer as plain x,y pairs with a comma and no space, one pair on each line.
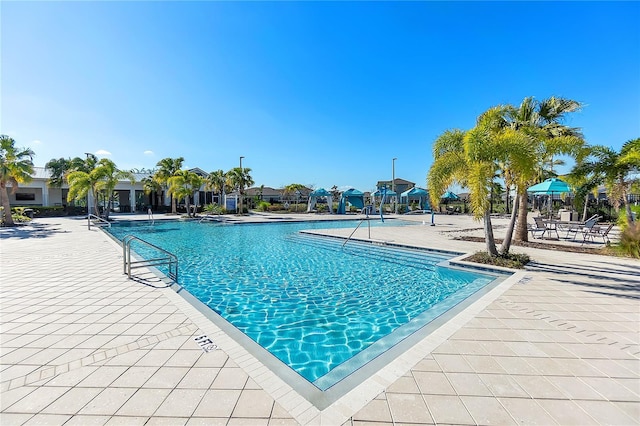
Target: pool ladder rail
97,221
356,228
165,258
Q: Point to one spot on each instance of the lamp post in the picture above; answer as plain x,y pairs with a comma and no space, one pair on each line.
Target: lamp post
240,188
89,193
393,183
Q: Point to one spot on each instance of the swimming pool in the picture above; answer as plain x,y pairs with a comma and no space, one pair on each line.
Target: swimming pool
323,310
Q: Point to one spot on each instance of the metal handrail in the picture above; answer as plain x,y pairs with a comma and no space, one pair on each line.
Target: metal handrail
170,259
91,217
354,231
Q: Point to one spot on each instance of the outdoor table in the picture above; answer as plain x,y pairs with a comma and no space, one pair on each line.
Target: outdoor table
565,226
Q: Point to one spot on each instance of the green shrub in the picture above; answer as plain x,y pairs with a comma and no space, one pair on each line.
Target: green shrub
630,240
213,209
263,206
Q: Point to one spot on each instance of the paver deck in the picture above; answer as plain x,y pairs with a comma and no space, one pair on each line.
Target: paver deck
81,344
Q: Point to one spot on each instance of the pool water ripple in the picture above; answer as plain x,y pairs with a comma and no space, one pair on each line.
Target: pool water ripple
308,301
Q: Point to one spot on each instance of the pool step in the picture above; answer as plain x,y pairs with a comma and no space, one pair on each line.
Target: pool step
415,258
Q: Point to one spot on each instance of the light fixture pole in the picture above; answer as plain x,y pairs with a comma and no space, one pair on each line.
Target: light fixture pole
393,183
240,188
89,193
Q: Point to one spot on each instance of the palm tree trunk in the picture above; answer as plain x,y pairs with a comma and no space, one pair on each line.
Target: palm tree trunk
506,244
488,233
627,207
522,233
584,211
8,220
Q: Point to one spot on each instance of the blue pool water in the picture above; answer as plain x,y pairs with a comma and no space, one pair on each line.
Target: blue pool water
322,309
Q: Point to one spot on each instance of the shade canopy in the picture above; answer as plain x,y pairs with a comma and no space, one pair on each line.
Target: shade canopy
550,186
415,192
449,196
320,192
380,193
354,197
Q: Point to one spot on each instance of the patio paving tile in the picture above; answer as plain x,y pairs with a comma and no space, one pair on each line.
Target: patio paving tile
607,413
448,410
166,378
217,403
42,419
487,410
108,401
376,411
409,408
253,404
180,403
144,402
559,349
72,401
527,411
566,412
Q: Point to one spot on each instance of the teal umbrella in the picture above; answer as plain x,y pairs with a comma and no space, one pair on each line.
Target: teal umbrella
449,196
550,186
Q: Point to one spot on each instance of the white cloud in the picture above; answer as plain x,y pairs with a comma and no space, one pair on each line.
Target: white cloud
102,152
36,142
148,152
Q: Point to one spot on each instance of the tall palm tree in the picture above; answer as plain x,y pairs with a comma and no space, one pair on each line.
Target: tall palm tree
467,159
82,183
16,166
239,179
293,189
109,176
183,184
167,167
152,186
541,123
619,170
217,182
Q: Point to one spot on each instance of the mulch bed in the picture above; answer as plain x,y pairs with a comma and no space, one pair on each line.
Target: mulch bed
544,246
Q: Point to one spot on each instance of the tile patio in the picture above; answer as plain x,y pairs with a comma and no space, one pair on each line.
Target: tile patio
82,345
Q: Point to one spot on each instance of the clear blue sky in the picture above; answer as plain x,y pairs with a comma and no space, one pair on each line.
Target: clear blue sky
321,93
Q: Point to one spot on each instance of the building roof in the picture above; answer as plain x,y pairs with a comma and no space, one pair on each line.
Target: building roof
396,181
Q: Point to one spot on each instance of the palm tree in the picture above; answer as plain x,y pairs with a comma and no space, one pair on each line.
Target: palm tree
167,167
152,186
109,176
217,182
467,159
16,166
618,169
540,123
239,179
81,184
183,184
293,189
60,167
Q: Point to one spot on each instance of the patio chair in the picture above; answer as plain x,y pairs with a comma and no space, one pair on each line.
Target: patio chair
574,228
599,231
543,227
586,228
538,227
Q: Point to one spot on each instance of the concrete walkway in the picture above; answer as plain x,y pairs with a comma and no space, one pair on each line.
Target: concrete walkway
81,344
